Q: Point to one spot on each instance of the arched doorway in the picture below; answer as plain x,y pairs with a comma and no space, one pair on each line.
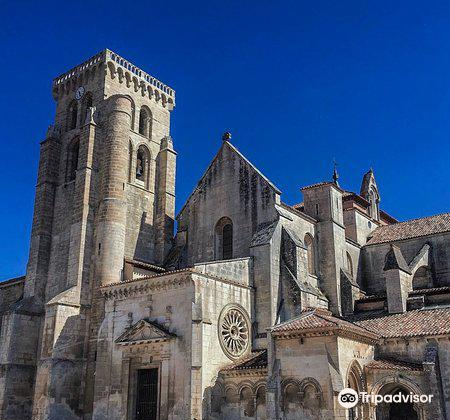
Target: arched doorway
355,381
396,410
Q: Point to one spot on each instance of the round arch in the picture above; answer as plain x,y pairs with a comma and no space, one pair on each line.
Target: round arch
142,171
145,122
223,239
392,385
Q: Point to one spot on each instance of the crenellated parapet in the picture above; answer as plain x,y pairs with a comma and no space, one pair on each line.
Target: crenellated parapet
116,67
69,81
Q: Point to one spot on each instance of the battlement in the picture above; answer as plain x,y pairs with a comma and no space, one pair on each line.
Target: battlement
104,57
80,69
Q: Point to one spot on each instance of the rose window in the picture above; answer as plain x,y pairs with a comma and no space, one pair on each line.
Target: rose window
234,332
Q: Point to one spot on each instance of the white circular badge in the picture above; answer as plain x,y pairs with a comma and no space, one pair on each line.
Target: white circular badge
348,398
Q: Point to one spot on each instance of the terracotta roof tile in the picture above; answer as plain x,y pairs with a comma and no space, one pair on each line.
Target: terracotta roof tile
321,184
416,323
431,291
318,319
411,229
256,360
144,264
392,364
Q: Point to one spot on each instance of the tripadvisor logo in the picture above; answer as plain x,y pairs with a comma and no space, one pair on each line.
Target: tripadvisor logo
348,398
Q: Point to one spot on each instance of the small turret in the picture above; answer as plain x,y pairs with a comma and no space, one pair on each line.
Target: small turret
369,191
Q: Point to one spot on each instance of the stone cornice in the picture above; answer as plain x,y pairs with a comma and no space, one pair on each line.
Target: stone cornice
244,372
159,282
116,66
368,338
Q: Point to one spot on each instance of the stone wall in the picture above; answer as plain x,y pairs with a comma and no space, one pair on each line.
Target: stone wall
214,298
238,270
374,258
10,292
167,300
233,188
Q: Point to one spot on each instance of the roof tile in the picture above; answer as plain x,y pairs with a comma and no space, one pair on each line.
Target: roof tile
320,319
416,323
411,229
256,360
392,364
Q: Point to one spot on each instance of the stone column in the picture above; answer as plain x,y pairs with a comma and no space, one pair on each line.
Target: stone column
165,199
41,234
164,395
110,235
81,227
126,363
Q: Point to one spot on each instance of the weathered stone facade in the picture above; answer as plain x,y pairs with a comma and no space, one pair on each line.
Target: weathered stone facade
255,309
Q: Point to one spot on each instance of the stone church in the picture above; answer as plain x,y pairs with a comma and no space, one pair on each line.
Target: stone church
253,309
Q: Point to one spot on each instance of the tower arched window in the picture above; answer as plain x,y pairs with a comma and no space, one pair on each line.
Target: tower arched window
85,105
72,115
73,152
309,243
145,122
130,160
224,239
133,114
142,166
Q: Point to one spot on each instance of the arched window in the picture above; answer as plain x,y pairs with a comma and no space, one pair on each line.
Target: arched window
349,264
85,105
72,159
374,201
355,382
133,114
227,241
310,398
261,402
130,161
224,239
247,402
72,115
309,243
142,165
291,397
145,122
422,278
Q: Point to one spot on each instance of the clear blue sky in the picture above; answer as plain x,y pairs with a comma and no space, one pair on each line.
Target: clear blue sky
297,83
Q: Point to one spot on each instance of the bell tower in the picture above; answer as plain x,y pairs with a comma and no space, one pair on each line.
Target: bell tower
105,196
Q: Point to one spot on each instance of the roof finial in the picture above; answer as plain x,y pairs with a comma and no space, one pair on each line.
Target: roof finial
226,136
335,173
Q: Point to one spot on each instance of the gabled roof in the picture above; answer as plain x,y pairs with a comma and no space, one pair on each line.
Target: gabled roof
241,156
414,228
317,321
416,323
145,331
322,184
395,260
